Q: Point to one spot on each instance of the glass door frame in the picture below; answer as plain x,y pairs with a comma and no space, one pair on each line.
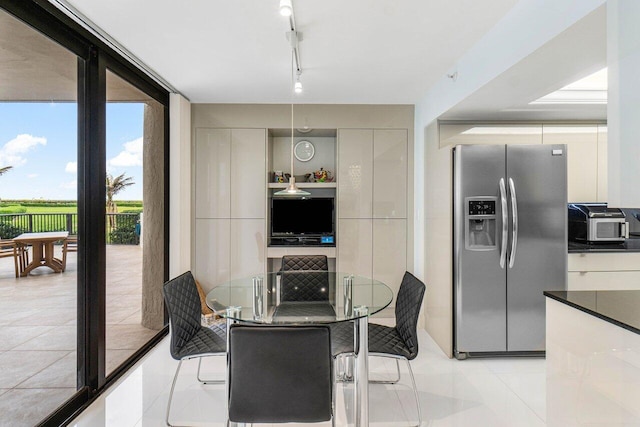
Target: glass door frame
94,57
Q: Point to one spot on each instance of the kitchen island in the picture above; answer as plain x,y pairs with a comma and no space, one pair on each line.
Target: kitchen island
593,358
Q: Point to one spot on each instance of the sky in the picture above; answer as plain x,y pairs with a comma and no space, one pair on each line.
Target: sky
40,141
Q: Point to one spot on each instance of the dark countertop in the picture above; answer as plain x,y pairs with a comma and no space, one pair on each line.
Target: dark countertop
629,245
622,308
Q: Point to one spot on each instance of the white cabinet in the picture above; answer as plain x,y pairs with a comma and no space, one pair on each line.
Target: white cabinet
604,271
602,163
247,247
390,173
389,251
480,133
356,240
372,203
212,260
213,173
355,173
248,177
230,200
582,158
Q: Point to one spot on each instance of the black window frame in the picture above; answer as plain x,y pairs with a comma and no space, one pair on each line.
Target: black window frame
94,57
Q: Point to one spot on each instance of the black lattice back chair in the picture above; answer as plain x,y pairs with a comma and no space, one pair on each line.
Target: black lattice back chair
410,296
189,339
398,342
280,374
304,278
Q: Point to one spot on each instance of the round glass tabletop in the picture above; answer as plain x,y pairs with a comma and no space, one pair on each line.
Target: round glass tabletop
299,297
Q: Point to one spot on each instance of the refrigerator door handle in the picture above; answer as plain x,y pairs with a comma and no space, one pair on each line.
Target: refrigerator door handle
514,219
505,215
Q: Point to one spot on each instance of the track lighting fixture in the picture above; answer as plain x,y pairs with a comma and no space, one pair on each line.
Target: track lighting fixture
286,8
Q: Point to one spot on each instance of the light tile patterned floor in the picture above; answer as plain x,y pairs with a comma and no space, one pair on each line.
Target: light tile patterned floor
508,392
38,332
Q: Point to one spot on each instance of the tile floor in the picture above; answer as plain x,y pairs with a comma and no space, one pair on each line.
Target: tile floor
504,392
38,332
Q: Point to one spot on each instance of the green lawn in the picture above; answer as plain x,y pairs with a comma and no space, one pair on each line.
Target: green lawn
53,207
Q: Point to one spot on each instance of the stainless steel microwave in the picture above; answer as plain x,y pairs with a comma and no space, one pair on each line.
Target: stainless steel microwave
594,223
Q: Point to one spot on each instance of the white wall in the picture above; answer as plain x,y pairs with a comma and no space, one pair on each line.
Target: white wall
623,107
179,185
528,26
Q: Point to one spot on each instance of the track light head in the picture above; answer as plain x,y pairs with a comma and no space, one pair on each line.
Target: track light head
286,8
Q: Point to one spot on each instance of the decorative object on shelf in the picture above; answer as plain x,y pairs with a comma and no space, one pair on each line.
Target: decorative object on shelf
303,178
278,176
304,151
322,176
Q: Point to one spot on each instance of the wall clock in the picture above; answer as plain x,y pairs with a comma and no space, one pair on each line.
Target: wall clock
304,151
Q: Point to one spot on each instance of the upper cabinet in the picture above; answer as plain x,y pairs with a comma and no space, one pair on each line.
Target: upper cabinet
456,134
602,163
586,149
390,173
230,173
248,163
582,158
213,173
355,173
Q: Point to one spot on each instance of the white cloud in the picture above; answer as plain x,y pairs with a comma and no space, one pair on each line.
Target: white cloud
32,175
130,156
11,153
69,185
72,167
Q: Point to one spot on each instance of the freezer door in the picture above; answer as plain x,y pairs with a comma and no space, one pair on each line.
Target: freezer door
537,257
479,279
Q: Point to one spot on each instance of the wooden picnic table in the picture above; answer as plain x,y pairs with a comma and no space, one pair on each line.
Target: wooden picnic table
42,244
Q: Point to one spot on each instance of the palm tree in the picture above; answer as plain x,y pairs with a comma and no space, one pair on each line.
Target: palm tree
114,186
5,169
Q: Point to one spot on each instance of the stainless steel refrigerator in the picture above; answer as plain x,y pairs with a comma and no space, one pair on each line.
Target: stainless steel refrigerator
510,244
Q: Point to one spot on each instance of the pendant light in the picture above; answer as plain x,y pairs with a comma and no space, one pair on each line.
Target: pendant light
292,190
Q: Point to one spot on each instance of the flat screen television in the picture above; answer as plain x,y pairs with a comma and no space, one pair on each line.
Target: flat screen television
305,217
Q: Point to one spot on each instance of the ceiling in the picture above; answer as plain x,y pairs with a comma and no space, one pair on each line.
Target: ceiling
352,52
577,52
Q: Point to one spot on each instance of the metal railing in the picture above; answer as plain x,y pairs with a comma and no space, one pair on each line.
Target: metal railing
121,228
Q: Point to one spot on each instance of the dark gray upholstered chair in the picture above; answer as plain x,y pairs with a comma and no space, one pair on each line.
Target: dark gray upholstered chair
295,285
399,342
189,339
304,280
280,374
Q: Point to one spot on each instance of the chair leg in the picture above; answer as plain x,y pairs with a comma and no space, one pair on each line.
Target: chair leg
389,381
16,253
173,386
64,256
415,391
222,381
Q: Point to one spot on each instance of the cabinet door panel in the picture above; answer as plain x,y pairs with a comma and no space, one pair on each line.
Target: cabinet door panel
603,280
212,252
602,163
248,172
213,172
454,134
390,173
355,173
247,247
390,251
582,159
355,246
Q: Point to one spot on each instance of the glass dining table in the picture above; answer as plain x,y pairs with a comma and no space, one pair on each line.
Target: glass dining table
303,297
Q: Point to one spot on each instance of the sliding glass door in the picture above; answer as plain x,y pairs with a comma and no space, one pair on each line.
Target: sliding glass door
83,217
38,199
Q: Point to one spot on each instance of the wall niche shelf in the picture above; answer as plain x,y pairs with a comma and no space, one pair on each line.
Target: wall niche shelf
305,184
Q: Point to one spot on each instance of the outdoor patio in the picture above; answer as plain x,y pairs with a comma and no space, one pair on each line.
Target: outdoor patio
38,331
